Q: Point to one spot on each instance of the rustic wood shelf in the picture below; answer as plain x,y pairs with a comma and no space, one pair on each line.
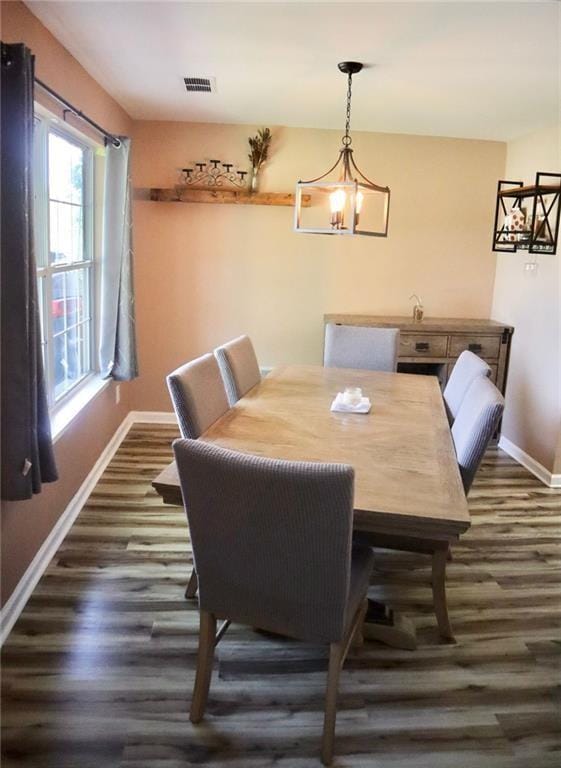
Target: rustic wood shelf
541,189
224,196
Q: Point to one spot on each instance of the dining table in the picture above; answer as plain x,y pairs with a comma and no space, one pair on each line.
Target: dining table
408,492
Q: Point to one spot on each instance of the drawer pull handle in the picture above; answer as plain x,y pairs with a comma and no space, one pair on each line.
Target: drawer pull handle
422,346
474,347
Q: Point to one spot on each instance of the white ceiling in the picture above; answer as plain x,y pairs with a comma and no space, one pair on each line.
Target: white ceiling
467,69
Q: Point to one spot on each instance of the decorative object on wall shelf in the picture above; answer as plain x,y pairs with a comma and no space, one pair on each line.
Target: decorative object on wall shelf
341,205
534,228
258,155
223,196
213,173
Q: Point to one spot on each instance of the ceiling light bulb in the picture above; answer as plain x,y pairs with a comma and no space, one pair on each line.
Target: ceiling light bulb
359,200
337,200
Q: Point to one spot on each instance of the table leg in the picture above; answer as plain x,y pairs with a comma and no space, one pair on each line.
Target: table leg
389,627
439,558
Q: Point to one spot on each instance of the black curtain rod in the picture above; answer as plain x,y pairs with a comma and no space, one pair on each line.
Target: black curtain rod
70,108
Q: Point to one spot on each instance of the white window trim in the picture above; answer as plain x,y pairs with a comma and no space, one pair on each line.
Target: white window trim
67,408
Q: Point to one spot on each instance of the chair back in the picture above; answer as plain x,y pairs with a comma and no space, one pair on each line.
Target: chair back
198,395
239,367
271,539
467,368
350,346
474,426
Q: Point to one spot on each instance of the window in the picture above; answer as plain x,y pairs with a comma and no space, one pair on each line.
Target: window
64,246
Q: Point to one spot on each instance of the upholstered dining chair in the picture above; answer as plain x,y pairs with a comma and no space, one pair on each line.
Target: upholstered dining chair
473,428
239,367
199,399
350,346
475,423
467,368
274,553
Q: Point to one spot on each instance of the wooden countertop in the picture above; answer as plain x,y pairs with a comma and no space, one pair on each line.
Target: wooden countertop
406,323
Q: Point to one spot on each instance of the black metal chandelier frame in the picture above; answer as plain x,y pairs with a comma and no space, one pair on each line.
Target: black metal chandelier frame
351,178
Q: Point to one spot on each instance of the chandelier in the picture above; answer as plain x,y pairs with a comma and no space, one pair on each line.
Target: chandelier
343,201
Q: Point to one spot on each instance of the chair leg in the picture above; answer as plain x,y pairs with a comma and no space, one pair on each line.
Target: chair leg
439,557
205,658
192,586
358,635
336,651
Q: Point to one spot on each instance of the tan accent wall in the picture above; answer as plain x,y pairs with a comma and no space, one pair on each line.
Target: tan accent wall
531,302
206,273
26,525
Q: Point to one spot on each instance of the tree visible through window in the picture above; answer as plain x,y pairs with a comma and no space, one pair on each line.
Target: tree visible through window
64,248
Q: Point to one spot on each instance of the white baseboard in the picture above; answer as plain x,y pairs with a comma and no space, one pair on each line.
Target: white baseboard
533,466
21,594
152,417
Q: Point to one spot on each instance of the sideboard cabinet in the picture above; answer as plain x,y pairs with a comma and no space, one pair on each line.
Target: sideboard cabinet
433,345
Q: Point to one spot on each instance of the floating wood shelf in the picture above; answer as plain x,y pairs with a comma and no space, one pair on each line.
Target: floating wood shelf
224,196
541,189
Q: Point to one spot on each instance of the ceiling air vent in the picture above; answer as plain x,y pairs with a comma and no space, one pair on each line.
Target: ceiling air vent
200,84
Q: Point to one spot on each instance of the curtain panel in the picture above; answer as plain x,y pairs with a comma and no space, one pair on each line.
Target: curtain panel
117,352
27,453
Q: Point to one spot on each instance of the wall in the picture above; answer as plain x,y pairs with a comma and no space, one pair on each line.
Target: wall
205,273
531,302
25,525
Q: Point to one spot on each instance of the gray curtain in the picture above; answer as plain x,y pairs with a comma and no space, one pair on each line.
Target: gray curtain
117,351
27,451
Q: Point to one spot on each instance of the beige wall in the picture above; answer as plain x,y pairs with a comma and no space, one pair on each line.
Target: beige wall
205,273
25,525
531,303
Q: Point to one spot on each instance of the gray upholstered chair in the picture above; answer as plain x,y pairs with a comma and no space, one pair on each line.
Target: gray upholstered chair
475,423
272,544
199,399
198,395
467,368
350,346
239,367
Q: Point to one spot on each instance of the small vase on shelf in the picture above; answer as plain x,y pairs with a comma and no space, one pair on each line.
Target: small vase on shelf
253,185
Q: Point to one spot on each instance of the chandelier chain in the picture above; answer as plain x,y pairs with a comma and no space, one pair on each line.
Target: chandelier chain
347,137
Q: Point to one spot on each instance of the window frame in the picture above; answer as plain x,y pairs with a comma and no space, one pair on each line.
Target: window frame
46,124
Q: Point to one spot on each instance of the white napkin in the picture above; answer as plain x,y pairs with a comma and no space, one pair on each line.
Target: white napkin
340,406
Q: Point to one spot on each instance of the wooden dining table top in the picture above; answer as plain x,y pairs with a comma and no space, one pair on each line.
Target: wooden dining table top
407,480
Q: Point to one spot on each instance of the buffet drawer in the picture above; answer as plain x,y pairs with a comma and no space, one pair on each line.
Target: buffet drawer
419,345
486,347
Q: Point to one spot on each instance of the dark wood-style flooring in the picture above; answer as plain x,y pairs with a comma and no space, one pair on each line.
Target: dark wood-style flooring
99,668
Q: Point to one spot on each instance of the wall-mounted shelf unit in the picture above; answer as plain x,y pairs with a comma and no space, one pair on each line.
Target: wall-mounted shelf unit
534,228
223,196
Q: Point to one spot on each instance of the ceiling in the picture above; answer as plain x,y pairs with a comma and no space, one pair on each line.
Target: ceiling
486,70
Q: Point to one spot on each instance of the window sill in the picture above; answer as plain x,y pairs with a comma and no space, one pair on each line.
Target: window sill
67,413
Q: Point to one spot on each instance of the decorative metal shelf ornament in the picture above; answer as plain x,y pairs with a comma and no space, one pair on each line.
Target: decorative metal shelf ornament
213,173
517,228
356,205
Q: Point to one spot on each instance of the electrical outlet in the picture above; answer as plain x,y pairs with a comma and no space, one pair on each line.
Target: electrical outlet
531,268
118,394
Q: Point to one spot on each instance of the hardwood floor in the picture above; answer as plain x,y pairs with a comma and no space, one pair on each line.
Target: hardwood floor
99,669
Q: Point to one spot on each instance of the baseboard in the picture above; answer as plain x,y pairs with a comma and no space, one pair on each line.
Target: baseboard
152,417
533,466
21,594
